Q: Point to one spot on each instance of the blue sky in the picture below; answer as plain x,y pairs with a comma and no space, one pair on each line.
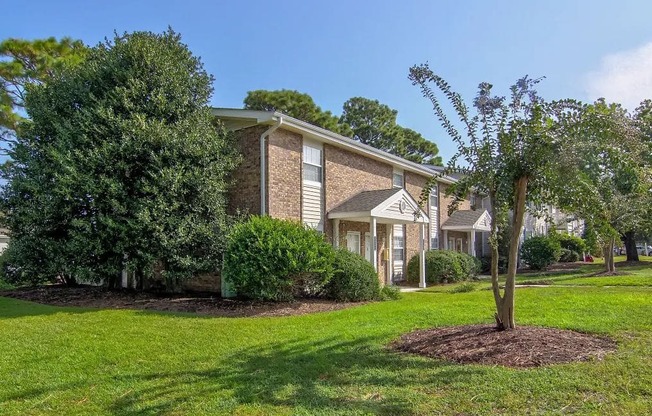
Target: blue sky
340,49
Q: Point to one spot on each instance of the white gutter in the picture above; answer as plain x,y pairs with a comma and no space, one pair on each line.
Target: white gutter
263,165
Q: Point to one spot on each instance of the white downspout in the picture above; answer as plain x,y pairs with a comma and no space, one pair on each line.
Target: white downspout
263,166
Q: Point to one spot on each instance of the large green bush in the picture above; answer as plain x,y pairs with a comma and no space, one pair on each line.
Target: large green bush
568,256
571,242
485,264
354,278
540,252
444,266
273,259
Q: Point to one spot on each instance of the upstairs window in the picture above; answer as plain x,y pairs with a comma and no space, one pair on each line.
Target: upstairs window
397,179
312,167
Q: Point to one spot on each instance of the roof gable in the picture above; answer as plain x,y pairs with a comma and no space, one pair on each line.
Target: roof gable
394,206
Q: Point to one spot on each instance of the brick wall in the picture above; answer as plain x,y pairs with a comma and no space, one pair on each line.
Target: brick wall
414,184
284,150
362,228
346,174
244,194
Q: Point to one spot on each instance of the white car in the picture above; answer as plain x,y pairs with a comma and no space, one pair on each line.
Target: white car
641,250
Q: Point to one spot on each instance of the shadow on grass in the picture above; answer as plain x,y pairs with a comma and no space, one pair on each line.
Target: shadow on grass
329,376
15,308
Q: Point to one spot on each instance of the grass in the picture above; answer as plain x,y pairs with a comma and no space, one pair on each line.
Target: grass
80,361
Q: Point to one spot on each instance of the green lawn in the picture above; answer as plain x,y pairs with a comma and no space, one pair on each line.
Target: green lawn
78,361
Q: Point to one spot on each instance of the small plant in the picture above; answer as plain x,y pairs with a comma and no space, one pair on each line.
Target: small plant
464,288
390,293
540,252
354,278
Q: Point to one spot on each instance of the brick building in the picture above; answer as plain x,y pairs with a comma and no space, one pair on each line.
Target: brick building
358,196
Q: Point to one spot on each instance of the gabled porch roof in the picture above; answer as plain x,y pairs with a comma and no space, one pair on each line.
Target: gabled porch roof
468,220
388,206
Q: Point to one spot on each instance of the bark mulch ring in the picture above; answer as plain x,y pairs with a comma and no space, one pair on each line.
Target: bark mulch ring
202,304
526,346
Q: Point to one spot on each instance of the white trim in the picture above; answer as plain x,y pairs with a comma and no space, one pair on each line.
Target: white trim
476,226
323,135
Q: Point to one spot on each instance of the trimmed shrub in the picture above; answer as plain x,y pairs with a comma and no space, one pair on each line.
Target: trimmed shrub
540,252
444,266
485,264
571,242
273,259
569,256
354,278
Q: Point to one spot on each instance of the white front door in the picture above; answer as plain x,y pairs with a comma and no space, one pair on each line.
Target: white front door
367,247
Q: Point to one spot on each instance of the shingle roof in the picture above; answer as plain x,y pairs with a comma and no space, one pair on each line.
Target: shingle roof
463,218
365,200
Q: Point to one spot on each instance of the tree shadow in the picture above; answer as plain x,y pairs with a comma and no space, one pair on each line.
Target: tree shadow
331,376
17,308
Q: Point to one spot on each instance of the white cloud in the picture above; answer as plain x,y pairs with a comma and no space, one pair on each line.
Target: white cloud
624,77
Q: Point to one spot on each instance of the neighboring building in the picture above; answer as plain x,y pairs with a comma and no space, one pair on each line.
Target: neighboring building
4,239
358,196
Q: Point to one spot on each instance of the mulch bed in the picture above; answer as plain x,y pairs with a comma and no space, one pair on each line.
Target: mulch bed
202,304
523,347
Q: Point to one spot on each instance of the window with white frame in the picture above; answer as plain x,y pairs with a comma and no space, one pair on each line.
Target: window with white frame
397,179
353,241
434,218
398,244
312,167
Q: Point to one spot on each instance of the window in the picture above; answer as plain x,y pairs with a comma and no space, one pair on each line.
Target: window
398,247
397,179
353,241
312,168
434,218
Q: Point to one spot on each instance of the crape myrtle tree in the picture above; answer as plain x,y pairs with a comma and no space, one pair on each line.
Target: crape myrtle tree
508,151
122,166
24,62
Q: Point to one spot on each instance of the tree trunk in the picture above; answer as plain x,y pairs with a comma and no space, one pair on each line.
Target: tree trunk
493,239
630,246
506,312
608,251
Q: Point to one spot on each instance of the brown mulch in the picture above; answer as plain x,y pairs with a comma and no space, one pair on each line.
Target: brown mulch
202,304
525,346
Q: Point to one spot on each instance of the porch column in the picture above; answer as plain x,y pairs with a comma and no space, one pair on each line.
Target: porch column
472,246
336,232
422,257
390,261
446,240
374,244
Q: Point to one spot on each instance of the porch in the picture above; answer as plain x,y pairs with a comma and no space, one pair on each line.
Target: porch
367,223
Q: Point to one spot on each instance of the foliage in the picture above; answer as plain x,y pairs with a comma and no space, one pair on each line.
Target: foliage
540,252
509,151
25,62
485,264
444,266
122,166
390,293
570,242
568,256
354,278
274,259
374,124
465,287
295,104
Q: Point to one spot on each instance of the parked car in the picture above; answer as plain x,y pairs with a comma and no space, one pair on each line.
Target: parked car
641,249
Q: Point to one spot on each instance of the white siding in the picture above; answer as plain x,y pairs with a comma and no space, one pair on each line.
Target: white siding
312,212
312,206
